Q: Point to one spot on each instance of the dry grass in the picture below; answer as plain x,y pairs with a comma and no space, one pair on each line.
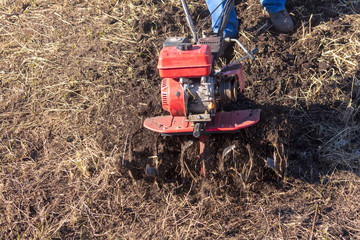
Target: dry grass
75,83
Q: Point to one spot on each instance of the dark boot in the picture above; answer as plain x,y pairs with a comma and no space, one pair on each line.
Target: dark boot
282,21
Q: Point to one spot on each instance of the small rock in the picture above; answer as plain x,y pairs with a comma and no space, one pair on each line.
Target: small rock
150,171
340,143
271,163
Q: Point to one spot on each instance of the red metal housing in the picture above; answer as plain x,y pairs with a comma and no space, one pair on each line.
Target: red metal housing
192,63
235,69
222,122
172,97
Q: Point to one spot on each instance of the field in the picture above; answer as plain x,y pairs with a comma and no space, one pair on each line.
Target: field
79,77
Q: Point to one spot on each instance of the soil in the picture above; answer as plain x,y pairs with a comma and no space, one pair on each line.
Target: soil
74,152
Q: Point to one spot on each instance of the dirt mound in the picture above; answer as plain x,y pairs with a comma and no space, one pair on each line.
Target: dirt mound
79,78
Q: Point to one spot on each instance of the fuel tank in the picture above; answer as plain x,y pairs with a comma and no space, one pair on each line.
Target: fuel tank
188,61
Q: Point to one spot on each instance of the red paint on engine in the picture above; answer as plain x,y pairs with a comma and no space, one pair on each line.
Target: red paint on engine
172,97
192,63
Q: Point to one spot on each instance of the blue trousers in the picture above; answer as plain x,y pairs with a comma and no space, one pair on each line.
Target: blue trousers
231,29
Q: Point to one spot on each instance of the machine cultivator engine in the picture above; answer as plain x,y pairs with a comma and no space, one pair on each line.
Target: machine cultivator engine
194,94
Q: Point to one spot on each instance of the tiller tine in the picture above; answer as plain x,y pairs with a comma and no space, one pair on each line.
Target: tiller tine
226,151
203,140
184,147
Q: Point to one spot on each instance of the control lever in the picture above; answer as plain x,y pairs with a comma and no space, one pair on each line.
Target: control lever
249,54
252,52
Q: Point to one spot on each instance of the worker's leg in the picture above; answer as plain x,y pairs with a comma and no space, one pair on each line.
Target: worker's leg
273,6
231,29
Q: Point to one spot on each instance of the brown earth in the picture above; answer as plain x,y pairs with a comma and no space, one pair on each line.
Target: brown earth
78,79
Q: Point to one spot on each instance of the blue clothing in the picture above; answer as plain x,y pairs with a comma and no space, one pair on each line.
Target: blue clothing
273,6
231,29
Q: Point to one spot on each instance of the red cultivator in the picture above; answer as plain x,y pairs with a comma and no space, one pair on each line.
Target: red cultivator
194,93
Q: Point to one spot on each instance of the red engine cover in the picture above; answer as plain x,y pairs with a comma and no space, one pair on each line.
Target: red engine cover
172,97
192,63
